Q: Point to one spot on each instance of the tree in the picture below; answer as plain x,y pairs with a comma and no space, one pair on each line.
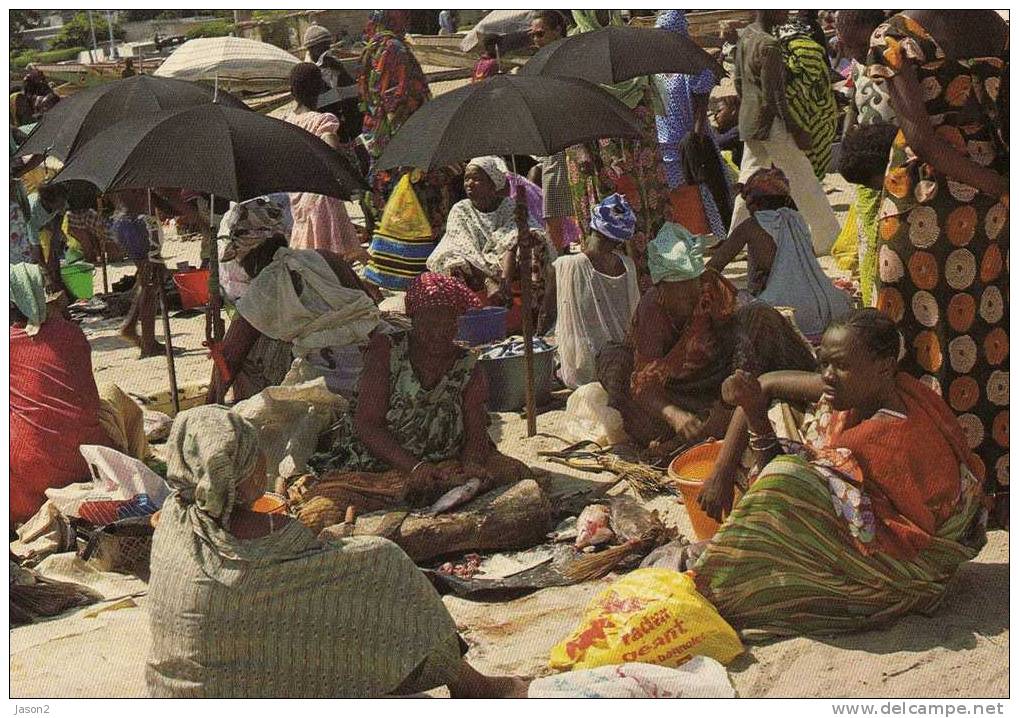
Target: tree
77,32
21,20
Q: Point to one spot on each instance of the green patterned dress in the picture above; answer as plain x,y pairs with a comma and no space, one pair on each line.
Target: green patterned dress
428,423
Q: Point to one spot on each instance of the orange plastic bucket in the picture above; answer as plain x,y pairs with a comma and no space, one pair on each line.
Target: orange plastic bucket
270,503
689,471
193,286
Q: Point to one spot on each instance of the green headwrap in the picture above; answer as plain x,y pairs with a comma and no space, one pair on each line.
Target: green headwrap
28,293
211,451
675,255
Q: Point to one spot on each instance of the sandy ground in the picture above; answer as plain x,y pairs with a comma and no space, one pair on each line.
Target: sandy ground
962,651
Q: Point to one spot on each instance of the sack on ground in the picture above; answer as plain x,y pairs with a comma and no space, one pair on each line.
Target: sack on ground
592,419
652,615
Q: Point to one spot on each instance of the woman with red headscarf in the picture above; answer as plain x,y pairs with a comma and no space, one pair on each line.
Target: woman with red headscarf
418,424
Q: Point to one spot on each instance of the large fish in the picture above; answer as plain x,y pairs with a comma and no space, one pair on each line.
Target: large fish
593,526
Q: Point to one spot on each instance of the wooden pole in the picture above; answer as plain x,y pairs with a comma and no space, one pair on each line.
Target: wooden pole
214,328
526,303
101,252
171,367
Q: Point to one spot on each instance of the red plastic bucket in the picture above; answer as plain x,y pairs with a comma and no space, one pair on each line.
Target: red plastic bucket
193,286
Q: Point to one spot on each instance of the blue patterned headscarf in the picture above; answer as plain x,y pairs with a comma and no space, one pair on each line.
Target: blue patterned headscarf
613,218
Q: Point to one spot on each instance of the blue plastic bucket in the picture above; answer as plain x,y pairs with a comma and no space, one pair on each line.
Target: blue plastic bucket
483,325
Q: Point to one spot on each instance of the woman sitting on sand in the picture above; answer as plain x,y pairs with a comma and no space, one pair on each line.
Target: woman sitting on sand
481,237
418,425
782,268
243,604
55,404
864,521
299,302
687,336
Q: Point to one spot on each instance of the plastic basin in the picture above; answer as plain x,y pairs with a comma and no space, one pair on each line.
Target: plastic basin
483,325
507,380
689,471
78,279
193,286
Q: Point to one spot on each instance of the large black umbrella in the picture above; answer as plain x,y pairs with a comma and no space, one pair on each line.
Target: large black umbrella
224,151
507,114
510,114
80,117
615,54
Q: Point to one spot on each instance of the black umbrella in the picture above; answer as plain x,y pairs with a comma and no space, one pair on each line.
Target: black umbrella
80,117
224,151
615,54
510,114
507,114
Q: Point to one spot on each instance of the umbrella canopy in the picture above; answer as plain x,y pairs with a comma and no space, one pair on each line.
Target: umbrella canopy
615,54
80,117
231,153
507,114
497,22
227,58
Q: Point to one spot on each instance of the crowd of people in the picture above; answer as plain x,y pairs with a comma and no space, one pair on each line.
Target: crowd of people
857,513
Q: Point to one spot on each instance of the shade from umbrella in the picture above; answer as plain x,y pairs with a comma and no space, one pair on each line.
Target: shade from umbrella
80,117
615,54
227,58
231,153
507,114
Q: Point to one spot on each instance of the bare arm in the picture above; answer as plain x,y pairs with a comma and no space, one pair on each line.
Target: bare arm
331,139
237,342
802,387
476,446
773,83
907,100
731,247
373,404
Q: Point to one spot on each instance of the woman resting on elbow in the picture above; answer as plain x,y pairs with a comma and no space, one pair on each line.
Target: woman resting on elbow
418,425
245,604
866,519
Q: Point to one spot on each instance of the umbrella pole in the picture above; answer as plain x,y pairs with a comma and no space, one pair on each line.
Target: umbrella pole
526,302
167,339
214,329
101,250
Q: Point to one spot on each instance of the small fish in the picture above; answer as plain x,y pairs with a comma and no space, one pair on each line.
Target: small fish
455,497
593,526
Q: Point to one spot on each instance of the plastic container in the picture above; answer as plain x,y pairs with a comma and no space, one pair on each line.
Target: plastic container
193,286
506,380
78,279
270,503
483,325
689,471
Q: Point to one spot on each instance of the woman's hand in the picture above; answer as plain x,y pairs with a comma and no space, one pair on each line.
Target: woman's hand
685,424
423,478
802,139
717,495
744,390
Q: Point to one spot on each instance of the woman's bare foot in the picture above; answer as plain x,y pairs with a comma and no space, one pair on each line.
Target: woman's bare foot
154,349
128,334
472,684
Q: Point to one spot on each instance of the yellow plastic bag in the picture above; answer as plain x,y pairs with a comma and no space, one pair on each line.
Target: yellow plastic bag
652,615
404,217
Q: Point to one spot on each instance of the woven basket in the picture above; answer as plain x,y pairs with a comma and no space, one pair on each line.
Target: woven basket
122,547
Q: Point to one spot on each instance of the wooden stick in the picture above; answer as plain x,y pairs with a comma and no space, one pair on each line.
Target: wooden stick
171,368
101,253
167,341
524,273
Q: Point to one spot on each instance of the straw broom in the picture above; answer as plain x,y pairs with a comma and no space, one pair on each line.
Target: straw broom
32,595
598,565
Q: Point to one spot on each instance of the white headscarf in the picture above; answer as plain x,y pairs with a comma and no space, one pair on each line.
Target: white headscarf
492,166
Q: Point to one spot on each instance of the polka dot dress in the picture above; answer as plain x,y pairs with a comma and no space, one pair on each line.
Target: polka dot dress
943,246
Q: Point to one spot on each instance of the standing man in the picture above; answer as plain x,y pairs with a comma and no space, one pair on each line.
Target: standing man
547,26
128,70
770,134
